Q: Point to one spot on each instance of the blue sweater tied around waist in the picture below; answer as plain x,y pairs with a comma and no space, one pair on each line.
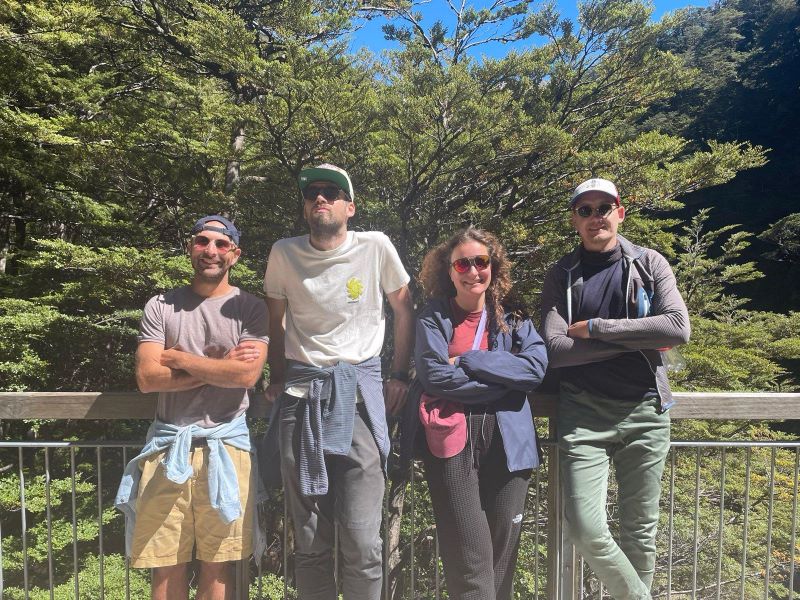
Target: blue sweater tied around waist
223,485
328,426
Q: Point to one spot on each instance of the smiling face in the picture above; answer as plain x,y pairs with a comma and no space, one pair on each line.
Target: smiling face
473,283
598,234
210,263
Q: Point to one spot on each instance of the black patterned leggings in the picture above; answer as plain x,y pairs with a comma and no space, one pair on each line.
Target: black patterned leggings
478,508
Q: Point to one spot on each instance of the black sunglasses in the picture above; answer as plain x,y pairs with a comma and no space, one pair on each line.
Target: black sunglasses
329,192
585,211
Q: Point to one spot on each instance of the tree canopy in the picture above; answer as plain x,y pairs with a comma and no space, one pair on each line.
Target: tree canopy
122,122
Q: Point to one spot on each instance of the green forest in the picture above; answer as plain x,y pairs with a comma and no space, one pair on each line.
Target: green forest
122,122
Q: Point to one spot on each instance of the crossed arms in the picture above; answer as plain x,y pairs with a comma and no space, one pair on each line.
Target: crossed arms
570,345
174,370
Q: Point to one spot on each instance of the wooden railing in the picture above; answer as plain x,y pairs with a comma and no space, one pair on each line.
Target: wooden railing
561,557
133,405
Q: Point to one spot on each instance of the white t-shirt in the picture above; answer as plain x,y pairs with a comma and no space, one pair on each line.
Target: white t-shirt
334,298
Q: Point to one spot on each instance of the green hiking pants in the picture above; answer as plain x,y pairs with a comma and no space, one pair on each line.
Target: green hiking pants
593,432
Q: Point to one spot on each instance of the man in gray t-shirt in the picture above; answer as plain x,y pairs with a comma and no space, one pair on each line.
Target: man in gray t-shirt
201,347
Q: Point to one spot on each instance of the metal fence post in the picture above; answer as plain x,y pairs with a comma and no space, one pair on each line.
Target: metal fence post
553,519
561,559
570,565
241,589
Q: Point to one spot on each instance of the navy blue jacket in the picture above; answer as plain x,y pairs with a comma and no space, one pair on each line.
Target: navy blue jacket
499,377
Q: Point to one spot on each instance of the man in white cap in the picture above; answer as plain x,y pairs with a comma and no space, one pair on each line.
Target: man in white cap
325,377
609,308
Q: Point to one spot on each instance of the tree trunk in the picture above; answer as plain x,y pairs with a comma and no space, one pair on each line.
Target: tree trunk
394,516
5,243
232,171
20,235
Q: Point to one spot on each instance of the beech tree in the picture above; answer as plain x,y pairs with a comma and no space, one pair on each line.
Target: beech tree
122,122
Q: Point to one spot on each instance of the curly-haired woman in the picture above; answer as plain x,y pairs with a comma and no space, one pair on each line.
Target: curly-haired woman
476,364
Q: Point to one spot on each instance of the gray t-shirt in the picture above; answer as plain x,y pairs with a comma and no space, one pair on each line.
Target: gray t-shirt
207,327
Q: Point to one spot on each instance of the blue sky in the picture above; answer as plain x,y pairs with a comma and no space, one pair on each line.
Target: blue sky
371,37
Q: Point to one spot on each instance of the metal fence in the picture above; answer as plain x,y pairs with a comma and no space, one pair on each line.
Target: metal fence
728,528
718,538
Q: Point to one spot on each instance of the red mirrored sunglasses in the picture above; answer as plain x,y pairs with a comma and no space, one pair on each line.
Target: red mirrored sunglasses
221,244
480,262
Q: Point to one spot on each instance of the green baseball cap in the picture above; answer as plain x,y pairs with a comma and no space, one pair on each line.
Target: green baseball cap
326,172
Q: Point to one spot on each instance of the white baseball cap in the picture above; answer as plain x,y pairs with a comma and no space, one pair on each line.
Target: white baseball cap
595,185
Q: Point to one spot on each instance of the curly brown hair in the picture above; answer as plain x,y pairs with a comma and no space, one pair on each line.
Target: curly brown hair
435,273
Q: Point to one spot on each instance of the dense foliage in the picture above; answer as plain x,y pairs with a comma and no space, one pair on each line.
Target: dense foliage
121,122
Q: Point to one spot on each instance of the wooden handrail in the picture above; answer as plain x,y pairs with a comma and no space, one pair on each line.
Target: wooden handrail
134,405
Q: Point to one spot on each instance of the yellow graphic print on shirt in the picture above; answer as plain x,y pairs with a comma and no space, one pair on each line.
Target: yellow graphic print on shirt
354,289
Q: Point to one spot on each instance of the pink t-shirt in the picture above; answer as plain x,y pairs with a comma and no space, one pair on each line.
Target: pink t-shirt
443,420
465,325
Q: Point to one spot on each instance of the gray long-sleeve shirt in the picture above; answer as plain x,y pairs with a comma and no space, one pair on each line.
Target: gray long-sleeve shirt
664,323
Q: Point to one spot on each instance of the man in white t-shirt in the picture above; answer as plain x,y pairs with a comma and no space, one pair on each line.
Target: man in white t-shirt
325,375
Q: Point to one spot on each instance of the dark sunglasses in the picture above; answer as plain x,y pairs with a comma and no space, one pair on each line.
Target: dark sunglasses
587,211
329,192
480,262
222,244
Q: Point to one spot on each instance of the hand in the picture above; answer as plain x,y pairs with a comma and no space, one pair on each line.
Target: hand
174,358
394,395
579,330
452,360
245,352
273,392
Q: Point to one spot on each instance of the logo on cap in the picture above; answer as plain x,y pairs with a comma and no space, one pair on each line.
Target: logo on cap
595,184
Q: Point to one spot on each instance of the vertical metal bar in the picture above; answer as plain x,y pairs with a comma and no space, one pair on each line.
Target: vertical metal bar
745,520
127,559
74,523
101,562
571,562
23,517
793,541
721,534
49,520
413,528
259,565
386,495
2,586
336,577
437,579
770,507
260,575
285,548
536,537
242,579
696,522
557,579
671,526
